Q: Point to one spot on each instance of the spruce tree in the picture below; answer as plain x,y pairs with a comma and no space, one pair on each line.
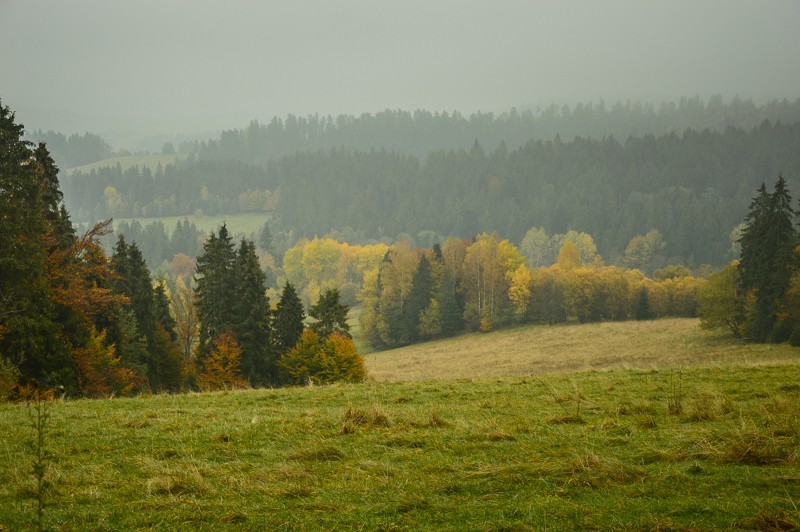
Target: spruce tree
330,315
251,316
289,319
767,257
150,318
162,313
214,289
419,298
31,337
451,305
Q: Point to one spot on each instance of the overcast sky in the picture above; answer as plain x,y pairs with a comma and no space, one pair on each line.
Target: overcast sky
168,66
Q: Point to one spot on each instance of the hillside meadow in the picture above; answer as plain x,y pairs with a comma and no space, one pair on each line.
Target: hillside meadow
536,349
687,430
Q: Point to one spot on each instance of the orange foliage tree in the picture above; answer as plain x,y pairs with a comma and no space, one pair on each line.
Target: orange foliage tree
99,371
222,369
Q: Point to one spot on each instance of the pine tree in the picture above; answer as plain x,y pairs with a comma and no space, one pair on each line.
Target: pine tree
289,319
251,316
149,307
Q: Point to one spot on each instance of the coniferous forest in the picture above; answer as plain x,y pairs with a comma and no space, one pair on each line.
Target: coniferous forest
348,177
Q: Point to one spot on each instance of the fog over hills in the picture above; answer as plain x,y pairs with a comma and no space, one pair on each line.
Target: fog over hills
129,70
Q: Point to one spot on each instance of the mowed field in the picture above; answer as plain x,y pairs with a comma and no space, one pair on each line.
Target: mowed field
690,432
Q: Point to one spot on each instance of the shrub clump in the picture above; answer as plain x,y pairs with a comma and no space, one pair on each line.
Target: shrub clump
322,361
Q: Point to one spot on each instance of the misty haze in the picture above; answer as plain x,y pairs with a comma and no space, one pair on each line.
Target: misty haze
399,265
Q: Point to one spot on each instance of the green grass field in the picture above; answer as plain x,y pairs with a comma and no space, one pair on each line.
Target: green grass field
696,442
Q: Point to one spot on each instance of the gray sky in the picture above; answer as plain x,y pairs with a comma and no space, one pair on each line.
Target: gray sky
168,66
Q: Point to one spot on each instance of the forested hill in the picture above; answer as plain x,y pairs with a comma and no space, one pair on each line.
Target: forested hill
694,188
422,132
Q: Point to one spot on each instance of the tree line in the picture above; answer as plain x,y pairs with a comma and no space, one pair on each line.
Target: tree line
421,132
692,188
758,295
73,150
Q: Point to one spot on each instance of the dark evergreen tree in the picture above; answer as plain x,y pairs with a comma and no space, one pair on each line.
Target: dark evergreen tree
251,316
265,238
419,297
330,315
214,289
642,311
767,257
149,320
30,335
289,319
451,305
162,314
131,345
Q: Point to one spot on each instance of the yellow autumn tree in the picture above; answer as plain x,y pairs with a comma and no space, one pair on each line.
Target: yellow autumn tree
317,361
519,290
486,265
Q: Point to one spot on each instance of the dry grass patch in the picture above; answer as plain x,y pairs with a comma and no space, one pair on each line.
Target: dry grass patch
708,406
182,481
357,417
540,349
318,453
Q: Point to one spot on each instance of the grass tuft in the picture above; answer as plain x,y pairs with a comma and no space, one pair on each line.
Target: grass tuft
186,481
751,445
565,419
435,419
357,417
708,406
319,453
768,521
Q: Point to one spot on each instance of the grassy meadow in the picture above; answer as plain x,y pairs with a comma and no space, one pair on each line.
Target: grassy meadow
707,439
539,349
